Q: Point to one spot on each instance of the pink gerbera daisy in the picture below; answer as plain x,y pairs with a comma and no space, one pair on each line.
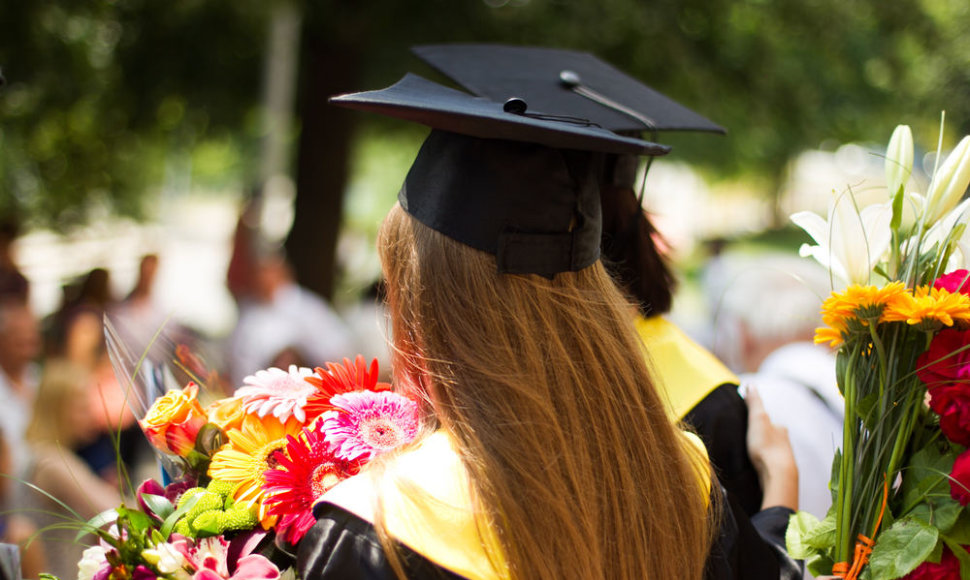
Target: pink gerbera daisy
277,392
306,469
366,423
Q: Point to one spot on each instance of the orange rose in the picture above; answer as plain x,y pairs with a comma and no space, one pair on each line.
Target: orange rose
174,420
226,413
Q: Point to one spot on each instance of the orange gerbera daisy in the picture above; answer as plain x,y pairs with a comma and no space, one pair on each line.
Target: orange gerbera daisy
862,302
930,308
829,335
248,455
854,309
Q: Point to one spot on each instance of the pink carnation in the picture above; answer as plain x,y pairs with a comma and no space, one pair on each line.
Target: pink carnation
368,423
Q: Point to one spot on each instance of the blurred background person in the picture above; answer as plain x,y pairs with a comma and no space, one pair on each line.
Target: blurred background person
139,316
15,527
282,323
770,308
62,421
13,284
75,333
76,330
367,320
20,347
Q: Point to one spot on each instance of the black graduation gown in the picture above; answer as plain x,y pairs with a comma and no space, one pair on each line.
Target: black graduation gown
344,546
721,421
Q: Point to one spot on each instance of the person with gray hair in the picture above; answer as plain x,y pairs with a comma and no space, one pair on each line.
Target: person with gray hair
769,309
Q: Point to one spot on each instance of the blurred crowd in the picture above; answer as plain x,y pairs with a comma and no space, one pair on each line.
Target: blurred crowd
71,446
68,430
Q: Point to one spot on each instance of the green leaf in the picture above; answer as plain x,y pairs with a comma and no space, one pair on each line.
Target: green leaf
173,518
867,409
901,548
927,474
806,535
137,519
106,517
823,534
960,531
159,505
799,526
939,512
897,209
834,477
819,564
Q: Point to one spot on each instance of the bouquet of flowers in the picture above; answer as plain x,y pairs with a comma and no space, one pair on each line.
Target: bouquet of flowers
246,471
901,480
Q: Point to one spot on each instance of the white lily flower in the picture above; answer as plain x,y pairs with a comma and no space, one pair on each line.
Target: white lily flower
899,159
943,231
850,242
949,183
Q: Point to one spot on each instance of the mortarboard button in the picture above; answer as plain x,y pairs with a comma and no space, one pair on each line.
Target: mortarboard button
569,78
515,106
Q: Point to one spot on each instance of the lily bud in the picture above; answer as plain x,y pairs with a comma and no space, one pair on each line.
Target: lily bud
899,159
949,182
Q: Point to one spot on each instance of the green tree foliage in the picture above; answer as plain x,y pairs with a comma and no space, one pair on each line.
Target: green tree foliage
103,94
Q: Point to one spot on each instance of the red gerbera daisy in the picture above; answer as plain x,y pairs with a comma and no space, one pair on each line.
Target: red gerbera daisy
306,469
337,379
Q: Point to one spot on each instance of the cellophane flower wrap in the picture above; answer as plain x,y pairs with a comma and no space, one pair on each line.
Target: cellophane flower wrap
242,473
900,319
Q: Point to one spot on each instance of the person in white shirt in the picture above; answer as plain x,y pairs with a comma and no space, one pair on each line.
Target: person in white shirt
282,323
20,345
771,306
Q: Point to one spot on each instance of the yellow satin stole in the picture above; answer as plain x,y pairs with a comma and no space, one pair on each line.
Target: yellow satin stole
427,506
685,372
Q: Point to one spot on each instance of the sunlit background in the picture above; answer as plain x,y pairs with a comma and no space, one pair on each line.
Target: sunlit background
131,126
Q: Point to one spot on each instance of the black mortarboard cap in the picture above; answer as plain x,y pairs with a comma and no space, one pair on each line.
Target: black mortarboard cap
512,181
562,82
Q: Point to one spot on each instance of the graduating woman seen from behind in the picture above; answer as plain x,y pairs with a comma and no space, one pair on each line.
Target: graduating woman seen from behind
545,452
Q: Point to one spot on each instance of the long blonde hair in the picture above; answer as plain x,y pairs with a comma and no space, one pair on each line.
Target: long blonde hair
544,387
63,386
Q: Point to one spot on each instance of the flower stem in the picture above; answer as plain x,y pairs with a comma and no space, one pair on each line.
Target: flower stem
846,467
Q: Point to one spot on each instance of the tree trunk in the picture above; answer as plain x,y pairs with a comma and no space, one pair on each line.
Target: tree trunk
322,162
